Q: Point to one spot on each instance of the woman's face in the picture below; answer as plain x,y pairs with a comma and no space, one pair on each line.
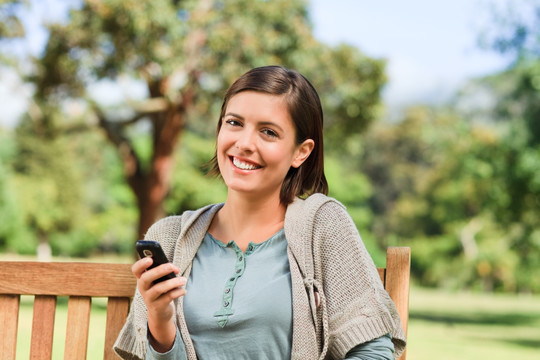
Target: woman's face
256,144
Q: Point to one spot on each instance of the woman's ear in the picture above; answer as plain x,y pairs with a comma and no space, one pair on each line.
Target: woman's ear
302,152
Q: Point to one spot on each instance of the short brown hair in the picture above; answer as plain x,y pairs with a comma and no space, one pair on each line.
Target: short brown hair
305,110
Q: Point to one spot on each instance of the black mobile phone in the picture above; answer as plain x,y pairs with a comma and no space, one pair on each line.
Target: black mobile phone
150,248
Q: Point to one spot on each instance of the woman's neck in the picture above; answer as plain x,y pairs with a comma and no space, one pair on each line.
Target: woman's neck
248,220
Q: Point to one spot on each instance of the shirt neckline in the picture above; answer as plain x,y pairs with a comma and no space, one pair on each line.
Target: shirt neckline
252,246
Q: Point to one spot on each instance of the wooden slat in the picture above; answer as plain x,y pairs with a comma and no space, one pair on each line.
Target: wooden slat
9,318
398,268
77,327
117,311
66,279
43,327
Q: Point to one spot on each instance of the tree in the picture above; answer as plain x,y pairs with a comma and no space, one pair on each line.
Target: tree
517,95
11,226
186,53
47,182
462,194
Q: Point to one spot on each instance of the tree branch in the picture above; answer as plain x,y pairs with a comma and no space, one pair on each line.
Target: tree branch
113,130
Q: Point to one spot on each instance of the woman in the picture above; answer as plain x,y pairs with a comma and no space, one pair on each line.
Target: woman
279,270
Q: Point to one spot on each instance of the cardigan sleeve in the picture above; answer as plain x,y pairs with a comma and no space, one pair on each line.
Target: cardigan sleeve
131,343
358,308
381,348
177,352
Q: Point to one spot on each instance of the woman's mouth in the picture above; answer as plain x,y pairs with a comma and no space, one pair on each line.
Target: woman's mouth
243,165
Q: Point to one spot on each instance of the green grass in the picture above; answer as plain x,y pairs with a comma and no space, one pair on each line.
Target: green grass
442,326
465,326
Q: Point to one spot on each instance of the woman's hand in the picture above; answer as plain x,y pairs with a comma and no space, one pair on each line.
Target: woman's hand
159,301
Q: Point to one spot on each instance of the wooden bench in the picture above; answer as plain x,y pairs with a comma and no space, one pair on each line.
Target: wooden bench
82,281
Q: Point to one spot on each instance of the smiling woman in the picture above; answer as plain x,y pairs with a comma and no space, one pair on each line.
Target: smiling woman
256,145
291,93
259,275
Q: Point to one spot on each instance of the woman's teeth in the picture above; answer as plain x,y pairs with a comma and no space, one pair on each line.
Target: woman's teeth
243,165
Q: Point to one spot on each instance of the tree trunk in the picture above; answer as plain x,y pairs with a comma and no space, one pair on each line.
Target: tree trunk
44,252
152,187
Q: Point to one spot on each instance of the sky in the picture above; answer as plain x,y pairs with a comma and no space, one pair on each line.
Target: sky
431,47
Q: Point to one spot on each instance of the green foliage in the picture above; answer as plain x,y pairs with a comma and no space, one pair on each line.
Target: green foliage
353,189
516,161
191,188
461,195
108,205
187,53
165,42
517,95
350,88
45,182
49,194
11,224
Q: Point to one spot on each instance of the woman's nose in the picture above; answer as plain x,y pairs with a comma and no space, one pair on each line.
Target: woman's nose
246,141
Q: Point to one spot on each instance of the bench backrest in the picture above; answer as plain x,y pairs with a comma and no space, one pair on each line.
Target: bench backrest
82,281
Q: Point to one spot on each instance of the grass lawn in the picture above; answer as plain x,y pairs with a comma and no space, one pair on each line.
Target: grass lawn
442,326
467,326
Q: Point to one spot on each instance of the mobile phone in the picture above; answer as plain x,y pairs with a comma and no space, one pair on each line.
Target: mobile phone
150,248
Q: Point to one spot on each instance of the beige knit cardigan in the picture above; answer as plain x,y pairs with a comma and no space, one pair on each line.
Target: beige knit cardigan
326,256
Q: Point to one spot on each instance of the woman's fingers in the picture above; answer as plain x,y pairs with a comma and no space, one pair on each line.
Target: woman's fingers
158,296
139,267
166,291
152,291
158,272
166,286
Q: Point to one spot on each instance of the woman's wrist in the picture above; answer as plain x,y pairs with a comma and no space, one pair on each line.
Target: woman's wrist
161,335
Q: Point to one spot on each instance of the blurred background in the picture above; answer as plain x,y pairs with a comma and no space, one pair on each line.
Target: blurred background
108,111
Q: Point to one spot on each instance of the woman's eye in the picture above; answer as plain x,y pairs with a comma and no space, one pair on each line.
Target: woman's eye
270,132
233,122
